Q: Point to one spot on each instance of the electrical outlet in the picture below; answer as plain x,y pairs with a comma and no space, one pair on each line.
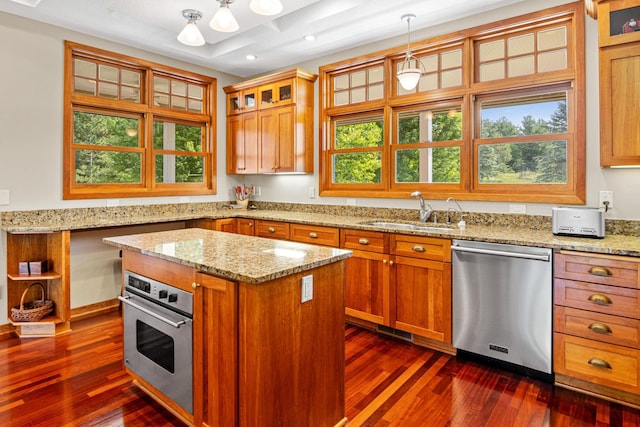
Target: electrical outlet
312,192
257,191
307,288
606,196
4,197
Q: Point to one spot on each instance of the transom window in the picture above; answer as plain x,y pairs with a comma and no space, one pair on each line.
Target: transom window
124,139
496,115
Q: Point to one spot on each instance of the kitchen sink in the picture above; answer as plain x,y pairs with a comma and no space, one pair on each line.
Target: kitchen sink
407,226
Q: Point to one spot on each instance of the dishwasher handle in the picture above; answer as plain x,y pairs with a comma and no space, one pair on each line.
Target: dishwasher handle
537,257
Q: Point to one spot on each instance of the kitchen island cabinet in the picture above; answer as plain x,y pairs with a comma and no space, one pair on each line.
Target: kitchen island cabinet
261,355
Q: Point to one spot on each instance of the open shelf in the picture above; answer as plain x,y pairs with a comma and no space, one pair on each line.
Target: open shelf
49,275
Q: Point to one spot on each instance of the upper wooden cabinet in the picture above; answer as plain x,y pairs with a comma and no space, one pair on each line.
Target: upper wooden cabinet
619,40
278,137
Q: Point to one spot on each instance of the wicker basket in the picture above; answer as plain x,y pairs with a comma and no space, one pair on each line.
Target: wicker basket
32,311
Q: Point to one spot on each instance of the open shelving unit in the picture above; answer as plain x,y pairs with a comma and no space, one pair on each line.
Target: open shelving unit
54,248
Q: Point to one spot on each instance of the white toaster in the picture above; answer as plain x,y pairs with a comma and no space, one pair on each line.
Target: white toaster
583,222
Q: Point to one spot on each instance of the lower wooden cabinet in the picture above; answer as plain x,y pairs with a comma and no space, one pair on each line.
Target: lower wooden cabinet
597,324
402,281
246,226
272,229
315,235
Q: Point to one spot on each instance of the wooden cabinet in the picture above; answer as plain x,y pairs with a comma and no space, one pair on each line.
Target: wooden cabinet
241,101
246,226
368,287
242,144
400,281
278,138
224,224
54,249
597,324
423,286
619,82
315,235
272,229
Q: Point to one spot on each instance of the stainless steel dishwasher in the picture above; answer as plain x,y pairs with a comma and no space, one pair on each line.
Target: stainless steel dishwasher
502,304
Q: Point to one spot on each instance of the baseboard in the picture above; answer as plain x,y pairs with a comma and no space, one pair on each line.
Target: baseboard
96,309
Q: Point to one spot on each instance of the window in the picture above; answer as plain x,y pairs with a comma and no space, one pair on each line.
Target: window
134,128
498,114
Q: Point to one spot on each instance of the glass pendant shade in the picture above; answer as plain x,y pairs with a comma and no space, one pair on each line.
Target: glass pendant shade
191,35
408,78
224,21
266,7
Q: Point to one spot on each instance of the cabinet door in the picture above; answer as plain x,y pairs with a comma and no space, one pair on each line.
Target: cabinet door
272,229
277,145
423,298
241,101
276,94
619,95
227,225
242,143
367,287
246,226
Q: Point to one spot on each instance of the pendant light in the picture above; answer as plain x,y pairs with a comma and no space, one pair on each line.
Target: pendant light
223,20
411,68
266,7
190,34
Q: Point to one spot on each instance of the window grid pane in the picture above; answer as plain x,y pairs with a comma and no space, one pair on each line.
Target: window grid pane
358,86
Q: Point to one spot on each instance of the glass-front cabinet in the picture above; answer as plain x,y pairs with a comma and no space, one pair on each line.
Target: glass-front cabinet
276,94
241,101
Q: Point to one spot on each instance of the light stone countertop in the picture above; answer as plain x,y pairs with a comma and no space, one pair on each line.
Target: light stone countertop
509,229
230,256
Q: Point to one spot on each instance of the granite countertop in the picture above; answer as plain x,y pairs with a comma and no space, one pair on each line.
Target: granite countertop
509,229
230,256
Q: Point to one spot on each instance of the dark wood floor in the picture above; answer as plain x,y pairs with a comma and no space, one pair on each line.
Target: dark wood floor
78,380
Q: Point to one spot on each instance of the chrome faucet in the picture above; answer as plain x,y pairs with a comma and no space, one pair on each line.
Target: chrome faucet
425,208
450,199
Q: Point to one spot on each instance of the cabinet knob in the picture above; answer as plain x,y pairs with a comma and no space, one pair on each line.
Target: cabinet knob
271,230
600,299
599,363
384,261
313,235
419,248
195,285
390,262
363,241
600,328
600,271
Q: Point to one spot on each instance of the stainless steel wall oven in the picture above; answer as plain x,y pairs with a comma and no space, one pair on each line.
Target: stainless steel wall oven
158,336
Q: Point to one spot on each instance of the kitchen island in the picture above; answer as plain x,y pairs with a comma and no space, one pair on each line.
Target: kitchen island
261,356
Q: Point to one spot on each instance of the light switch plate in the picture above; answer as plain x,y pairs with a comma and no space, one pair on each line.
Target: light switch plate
307,288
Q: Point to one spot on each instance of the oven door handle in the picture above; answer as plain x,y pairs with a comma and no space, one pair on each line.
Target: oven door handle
127,300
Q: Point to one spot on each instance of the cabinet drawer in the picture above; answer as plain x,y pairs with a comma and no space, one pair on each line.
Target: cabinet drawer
370,241
421,247
326,236
600,298
606,270
605,364
272,229
597,326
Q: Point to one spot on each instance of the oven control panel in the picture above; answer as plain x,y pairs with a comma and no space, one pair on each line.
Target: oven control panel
159,292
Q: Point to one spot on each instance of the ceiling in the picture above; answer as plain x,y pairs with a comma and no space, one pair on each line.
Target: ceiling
277,41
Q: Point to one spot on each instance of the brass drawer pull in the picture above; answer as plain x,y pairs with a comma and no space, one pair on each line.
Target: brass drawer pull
195,285
271,230
600,271
363,241
600,328
599,363
313,235
600,299
419,248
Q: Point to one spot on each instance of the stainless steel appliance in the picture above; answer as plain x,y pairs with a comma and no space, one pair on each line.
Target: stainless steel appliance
582,222
502,304
158,336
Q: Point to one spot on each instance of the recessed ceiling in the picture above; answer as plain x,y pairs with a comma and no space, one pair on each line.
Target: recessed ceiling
276,41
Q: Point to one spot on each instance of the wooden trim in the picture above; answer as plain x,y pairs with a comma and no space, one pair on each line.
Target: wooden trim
96,309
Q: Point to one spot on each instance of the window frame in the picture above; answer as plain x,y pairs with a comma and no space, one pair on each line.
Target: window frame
574,192
147,113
